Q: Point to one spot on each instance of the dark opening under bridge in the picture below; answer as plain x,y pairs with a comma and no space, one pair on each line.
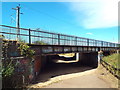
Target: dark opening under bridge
48,45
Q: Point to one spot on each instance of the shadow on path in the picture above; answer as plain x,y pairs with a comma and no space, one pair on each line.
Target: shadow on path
56,69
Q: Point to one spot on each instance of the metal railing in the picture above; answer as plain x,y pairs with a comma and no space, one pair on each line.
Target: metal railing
115,71
43,37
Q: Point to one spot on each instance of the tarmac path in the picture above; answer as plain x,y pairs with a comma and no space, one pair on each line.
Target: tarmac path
74,76
89,80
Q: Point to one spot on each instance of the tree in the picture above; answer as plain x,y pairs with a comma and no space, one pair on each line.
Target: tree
40,43
22,41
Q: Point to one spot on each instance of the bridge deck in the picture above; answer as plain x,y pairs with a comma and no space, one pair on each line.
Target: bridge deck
57,49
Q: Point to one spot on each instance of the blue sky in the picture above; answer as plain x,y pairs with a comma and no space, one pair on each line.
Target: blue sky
95,20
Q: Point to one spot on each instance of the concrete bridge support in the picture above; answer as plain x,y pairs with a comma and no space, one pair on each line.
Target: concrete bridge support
88,59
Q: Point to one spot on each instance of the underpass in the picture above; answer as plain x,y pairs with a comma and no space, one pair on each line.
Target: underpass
70,74
59,70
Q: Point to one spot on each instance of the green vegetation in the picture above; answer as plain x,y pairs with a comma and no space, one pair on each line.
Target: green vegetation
22,41
25,50
40,43
7,71
10,67
111,63
118,45
113,60
7,68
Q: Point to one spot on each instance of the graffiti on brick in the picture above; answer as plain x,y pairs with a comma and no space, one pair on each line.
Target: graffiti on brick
12,54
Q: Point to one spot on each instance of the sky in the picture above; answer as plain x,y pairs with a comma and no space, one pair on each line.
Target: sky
95,19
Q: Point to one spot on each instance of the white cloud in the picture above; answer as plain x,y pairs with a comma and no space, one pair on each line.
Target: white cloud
89,33
96,14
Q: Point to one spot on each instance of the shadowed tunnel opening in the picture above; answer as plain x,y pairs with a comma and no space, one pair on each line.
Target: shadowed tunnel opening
59,65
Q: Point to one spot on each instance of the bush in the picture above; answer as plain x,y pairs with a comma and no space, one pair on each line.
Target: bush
10,77
25,50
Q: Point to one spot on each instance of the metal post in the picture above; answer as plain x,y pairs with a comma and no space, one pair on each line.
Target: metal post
111,44
18,20
114,45
76,41
58,39
102,43
87,42
52,39
95,42
29,37
108,44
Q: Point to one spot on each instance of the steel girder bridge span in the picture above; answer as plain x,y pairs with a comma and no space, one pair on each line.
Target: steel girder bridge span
48,45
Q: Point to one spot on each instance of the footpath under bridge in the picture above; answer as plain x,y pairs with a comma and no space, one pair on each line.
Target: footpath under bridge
49,45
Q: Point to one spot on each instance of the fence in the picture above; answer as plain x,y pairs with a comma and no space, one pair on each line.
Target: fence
43,37
111,69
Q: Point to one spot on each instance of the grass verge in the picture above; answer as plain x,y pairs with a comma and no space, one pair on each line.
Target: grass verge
113,60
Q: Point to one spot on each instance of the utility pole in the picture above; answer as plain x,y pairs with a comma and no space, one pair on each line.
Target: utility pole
18,20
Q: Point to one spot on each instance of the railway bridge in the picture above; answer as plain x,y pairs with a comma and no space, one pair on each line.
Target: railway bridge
48,45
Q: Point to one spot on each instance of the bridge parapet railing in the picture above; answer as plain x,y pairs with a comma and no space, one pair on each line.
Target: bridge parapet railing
39,36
